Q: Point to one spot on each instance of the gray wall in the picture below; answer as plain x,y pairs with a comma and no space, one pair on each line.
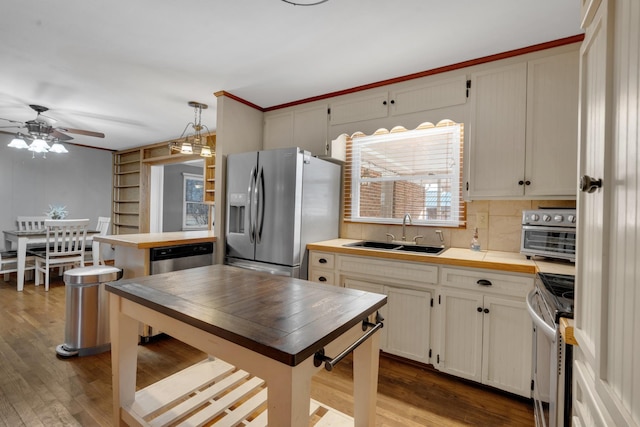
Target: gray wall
79,180
172,195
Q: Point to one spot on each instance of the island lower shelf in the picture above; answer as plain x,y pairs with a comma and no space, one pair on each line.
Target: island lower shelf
214,392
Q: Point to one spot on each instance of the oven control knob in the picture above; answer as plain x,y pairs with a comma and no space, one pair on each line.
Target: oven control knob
558,218
571,219
534,217
546,218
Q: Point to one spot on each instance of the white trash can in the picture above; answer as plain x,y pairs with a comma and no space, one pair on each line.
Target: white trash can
87,310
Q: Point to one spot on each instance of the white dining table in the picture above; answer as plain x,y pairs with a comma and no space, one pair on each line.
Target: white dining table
22,239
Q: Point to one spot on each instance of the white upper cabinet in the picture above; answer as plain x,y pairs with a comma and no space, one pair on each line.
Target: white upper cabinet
497,140
523,137
552,126
400,101
361,108
304,127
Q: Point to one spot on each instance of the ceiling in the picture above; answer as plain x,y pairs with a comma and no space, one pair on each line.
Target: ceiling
129,68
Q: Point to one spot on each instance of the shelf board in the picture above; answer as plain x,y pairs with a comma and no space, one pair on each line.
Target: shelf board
126,173
127,186
126,162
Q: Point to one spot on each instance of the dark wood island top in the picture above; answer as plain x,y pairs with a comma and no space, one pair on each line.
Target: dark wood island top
285,319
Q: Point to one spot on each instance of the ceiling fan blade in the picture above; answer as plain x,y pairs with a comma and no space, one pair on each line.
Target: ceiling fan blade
61,136
12,121
82,132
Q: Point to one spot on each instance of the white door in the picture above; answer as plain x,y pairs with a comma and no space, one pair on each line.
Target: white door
507,345
408,323
460,351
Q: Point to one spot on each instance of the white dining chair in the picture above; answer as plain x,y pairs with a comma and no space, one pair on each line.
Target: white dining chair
92,252
66,239
31,223
9,263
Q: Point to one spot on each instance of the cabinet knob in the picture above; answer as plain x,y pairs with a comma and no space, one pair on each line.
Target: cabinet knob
484,282
486,310
322,260
521,182
527,183
479,309
393,102
322,279
589,185
384,102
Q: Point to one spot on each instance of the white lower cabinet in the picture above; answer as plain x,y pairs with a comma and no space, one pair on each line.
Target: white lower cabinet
486,332
407,319
471,323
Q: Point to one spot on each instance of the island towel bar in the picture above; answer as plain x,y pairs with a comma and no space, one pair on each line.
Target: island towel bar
319,357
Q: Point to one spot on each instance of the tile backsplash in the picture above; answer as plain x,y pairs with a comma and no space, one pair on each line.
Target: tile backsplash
504,218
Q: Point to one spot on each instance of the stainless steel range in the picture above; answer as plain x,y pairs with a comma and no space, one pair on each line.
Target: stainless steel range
550,233
551,299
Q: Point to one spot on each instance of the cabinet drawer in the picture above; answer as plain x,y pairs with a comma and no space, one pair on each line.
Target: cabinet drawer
322,260
390,271
327,277
487,281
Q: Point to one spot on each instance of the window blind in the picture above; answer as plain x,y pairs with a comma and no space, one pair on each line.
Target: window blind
389,174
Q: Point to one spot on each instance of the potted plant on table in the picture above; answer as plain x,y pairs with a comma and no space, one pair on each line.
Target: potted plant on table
57,212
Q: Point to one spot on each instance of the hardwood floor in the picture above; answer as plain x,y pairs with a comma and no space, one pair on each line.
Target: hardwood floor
39,389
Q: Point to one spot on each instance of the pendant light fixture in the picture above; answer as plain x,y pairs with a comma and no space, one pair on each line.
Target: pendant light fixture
196,142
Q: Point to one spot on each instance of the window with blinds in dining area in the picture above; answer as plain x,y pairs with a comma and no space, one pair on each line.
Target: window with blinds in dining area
419,172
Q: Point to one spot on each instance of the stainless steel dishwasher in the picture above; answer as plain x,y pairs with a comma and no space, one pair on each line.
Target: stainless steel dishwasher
180,257
174,258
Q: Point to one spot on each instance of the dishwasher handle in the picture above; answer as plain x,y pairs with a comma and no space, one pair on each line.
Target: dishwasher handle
180,251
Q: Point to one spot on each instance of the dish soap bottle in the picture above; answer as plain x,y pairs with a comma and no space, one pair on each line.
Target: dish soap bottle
475,243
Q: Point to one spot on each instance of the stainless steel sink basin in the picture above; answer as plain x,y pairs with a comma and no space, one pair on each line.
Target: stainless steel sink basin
423,249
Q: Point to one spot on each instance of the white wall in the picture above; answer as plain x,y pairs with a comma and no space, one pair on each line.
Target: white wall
79,180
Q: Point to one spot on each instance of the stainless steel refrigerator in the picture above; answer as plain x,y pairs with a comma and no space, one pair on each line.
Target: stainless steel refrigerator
277,202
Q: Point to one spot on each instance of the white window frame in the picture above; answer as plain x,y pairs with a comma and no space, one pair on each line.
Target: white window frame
185,178
455,220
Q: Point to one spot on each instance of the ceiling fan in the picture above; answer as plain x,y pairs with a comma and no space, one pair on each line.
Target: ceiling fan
40,132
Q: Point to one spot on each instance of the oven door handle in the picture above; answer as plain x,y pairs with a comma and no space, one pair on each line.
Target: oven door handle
538,321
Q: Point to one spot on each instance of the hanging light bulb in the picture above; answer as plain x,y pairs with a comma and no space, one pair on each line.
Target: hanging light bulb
18,142
39,145
58,148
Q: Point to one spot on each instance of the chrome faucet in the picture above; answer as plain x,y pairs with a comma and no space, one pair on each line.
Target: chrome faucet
404,223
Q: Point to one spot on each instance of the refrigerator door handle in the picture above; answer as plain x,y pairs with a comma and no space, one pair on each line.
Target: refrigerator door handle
260,210
252,189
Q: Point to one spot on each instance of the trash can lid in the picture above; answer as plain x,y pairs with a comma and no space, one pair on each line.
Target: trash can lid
94,274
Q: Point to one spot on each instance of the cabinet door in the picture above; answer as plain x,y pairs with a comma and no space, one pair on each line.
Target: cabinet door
507,345
408,323
552,131
377,288
310,128
461,334
373,106
497,135
278,131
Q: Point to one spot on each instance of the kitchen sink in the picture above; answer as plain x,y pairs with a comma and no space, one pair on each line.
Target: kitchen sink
423,249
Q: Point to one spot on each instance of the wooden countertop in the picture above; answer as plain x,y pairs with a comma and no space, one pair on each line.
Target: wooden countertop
156,240
457,257
282,318
566,330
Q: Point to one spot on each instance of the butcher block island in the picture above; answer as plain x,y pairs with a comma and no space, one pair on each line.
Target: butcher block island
266,336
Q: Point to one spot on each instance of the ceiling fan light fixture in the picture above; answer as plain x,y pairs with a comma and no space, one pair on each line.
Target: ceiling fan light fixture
18,142
196,142
39,145
58,148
